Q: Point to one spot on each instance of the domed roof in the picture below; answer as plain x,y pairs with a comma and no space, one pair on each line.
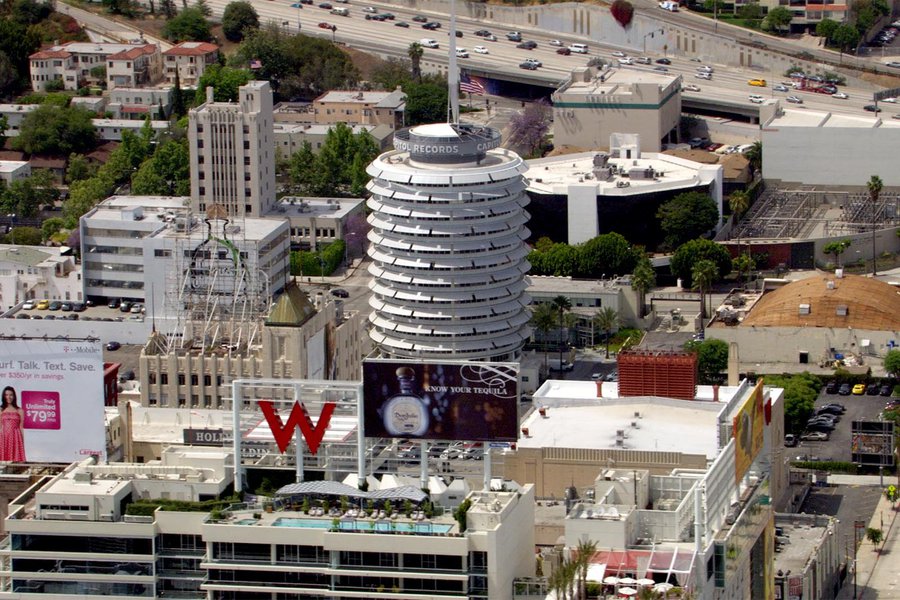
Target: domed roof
850,301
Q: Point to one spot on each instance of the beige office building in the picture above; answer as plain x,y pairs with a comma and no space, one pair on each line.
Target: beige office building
595,104
361,108
232,148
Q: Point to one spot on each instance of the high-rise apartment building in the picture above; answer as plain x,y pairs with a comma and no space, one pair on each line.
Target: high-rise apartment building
448,252
233,153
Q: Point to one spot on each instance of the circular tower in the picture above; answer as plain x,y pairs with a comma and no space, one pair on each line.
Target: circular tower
447,246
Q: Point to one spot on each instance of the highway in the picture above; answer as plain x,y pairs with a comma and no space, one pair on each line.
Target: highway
386,39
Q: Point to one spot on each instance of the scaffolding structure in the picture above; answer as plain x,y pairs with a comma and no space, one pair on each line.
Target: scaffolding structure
798,212
219,299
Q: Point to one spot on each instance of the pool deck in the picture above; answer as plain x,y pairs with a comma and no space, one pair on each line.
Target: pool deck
446,524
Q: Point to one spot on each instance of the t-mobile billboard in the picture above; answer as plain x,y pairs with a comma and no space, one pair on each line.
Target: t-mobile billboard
52,401
440,401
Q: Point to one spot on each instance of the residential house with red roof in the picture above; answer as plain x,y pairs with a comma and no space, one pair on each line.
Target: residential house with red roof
189,60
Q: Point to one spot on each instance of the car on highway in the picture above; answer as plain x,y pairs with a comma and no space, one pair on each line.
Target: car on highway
462,53
578,48
703,75
416,19
840,95
859,389
555,43
534,61
619,54
387,16
527,45
428,43
794,99
757,82
482,33
845,389
814,436
431,25
661,69
401,24
626,61
491,38
889,100
691,88
643,60
326,5
325,25
514,36
373,10
705,69
871,108
663,61
528,65
563,51
780,88
756,99
893,64
480,50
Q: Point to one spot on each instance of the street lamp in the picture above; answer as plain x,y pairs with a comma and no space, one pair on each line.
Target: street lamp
651,34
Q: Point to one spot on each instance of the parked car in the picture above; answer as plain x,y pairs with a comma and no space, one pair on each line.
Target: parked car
55,305
831,387
340,293
814,436
113,346
886,390
859,389
820,426
65,306
113,304
79,306
125,306
137,308
29,305
790,440
830,409
845,389
872,389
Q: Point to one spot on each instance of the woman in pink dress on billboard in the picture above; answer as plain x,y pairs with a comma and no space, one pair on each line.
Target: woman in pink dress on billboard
12,428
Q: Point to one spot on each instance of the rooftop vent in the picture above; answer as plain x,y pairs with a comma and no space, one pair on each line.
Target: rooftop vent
841,310
804,309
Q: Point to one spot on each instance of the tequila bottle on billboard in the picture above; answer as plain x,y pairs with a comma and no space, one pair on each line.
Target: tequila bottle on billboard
406,413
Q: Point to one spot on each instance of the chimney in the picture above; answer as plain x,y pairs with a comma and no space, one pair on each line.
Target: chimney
209,93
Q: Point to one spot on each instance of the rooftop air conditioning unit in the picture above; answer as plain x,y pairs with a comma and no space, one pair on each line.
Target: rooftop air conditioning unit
804,309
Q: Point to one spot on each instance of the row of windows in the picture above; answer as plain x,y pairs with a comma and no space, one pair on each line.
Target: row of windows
114,267
120,250
182,379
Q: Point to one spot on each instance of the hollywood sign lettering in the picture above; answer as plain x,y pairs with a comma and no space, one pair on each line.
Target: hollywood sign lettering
299,417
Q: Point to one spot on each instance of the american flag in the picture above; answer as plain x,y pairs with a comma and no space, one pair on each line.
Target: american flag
472,85
255,64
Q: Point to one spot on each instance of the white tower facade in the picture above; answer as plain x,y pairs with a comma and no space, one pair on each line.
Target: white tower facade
232,146
447,246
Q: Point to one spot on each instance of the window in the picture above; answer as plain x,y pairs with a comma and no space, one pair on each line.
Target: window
164,378
181,379
207,380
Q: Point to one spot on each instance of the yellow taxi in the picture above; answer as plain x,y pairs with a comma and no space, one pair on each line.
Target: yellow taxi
43,305
757,82
859,389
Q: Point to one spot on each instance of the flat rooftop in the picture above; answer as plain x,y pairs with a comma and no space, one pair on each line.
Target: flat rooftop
297,206
577,418
617,81
555,174
541,285
10,166
818,118
802,536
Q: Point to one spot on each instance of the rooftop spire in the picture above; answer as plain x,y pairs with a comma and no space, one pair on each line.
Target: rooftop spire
453,71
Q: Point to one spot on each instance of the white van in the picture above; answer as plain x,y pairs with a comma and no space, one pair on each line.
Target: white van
428,43
462,53
756,99
670,6
578,48
343,12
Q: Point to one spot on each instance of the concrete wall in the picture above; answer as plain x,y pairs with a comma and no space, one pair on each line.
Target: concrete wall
813,155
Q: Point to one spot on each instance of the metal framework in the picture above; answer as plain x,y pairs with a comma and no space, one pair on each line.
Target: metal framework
219,298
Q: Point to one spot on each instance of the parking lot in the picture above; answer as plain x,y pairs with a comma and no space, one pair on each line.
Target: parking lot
837,448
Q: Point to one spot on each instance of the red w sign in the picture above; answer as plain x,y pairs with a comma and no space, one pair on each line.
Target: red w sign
298,418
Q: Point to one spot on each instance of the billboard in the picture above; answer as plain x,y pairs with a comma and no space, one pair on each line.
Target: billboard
440,401
872,443
52,409
749,431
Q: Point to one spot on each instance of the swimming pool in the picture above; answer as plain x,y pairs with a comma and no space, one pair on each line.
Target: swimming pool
364,525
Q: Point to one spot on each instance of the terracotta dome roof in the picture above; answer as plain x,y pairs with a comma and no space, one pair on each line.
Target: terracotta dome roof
851,301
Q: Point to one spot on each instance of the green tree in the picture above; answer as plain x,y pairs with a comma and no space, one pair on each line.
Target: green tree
304,177
120,7
17,43
836,248
543,319
188,25
689,253
738,202
391,73
25,236
800,393
755,155
703,274
874,535
51,227
779,18
79,168
687,216
239,19
750,12
25,197
426,103
415,52
166,173
4,125
826,28
225,82
607,319
743,263
179,101
30,12
203,7
892,362
606,254
50,129
712,359
83,195
168,8
643,278
845,37
561,305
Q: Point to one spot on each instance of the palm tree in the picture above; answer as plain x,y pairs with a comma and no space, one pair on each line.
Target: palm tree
643,278
562,305
415,52
739,202
584,553
755,156
543,319
875,184
703,275
607,319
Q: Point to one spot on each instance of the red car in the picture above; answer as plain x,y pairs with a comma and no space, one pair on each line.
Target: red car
325,25
564,51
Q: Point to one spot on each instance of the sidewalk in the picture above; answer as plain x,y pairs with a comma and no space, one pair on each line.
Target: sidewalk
877,575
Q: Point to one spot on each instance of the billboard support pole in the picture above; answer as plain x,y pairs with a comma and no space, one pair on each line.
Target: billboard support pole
236,403
360,437
298,477
423,463
487,468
